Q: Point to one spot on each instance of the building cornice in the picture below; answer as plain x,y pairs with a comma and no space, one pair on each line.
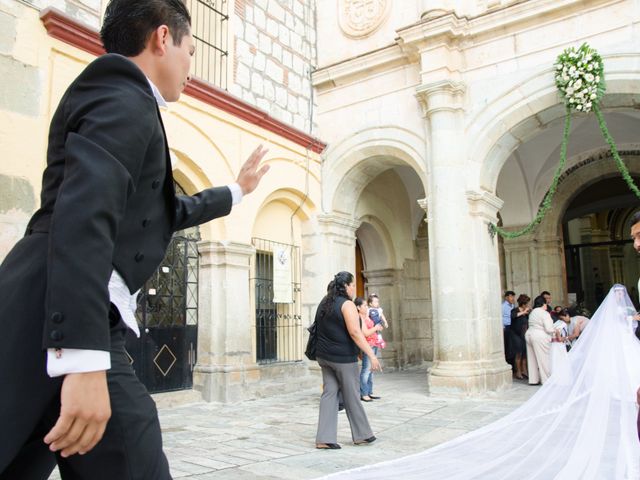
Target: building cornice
384,58
64,28
444,27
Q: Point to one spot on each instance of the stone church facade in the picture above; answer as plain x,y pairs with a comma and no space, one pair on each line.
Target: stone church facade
397,131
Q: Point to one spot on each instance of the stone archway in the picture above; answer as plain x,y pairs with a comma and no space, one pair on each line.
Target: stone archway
374,191
536,262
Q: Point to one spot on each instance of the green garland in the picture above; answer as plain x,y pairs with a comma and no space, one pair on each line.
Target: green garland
579,75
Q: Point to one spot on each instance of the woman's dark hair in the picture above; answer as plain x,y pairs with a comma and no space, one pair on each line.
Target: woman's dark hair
358,301
128,24
635,218
564,313
539,301
523,300
336,288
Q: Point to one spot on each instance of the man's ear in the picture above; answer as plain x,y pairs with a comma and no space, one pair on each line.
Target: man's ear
159,39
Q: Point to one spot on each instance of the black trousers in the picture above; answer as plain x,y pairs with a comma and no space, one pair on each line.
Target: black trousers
131,447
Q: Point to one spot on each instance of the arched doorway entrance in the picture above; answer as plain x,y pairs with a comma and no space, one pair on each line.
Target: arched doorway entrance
598,249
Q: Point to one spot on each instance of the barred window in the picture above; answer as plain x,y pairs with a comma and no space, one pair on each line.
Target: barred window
210,28
278,325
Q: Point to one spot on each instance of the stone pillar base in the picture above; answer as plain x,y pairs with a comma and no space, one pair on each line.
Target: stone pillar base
224,383
468,378
234,383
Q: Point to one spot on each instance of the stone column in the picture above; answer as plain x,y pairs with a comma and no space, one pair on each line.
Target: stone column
386,284
465,294
338,245
226,365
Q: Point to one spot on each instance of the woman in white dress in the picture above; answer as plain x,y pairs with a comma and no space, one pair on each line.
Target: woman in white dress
583,430
538,339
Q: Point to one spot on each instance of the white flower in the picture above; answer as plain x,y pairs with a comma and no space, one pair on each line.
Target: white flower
565,78
593,96
578,107
590,67
559,66
572,69
587,105
569,91
597,78
589,77
578,83
588,58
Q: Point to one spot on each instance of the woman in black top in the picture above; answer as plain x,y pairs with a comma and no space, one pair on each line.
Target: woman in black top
339,340
519,324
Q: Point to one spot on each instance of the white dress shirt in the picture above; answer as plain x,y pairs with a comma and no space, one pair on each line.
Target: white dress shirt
61,361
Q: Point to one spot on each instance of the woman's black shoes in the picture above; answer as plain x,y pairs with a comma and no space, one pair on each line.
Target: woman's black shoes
328,446
366,399
374,397
365,441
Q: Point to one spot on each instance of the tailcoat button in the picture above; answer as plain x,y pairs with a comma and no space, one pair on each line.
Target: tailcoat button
57,317
139,257
56,335
145,222
155,184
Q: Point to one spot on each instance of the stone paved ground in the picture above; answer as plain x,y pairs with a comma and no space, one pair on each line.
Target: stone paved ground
273,438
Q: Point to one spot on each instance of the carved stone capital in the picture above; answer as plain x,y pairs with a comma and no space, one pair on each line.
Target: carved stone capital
442,96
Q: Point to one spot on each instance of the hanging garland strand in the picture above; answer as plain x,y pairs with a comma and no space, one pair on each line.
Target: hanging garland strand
614,151
546,203
579,75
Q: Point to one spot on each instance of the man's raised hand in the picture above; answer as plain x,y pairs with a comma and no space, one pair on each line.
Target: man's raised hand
249,176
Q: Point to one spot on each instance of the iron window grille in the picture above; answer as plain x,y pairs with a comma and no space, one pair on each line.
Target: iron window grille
210,29
278,326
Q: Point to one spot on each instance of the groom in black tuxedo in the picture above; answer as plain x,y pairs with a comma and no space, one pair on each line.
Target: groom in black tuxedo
108,210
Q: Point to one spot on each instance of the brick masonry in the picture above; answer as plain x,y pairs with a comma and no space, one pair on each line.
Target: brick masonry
275,51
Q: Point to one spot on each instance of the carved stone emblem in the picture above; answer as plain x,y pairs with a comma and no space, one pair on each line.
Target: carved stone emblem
359,18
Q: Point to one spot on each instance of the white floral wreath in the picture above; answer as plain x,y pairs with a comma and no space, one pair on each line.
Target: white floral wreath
580,77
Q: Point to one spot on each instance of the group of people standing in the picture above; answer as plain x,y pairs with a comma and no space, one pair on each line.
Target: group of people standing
530,331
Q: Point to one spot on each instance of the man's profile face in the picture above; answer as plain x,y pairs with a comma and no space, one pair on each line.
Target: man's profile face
511,298
635,235
547,298
176,66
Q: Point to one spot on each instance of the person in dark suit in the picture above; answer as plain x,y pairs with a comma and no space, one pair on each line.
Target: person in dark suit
108,211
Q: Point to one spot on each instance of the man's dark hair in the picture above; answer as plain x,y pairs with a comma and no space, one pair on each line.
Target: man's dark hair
545,293
509,292
635,218
128,24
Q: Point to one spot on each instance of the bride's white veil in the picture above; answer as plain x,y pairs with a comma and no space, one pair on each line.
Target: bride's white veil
584,429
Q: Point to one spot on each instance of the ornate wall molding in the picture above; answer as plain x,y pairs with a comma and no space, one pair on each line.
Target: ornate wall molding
64,28
360,18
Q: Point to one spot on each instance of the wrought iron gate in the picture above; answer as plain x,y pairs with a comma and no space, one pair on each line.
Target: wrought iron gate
165,354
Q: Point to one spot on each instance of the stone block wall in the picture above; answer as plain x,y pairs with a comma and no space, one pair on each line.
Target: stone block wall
275,52
86,11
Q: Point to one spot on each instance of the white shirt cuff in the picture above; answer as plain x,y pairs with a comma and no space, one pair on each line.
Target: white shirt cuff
236,193
71,360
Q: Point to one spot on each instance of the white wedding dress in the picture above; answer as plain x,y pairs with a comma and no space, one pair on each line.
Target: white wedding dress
581,426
